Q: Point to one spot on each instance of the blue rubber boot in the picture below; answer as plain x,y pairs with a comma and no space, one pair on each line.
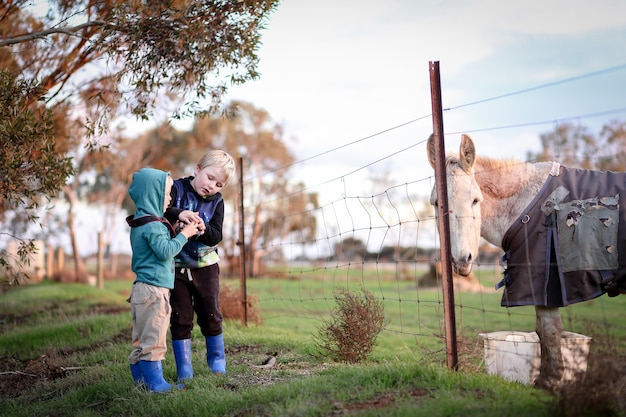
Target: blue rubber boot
136,371
215,357
182,354
152,372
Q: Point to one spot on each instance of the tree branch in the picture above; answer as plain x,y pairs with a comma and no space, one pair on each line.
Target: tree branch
40,35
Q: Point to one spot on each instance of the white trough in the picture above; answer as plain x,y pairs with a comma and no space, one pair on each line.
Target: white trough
516,356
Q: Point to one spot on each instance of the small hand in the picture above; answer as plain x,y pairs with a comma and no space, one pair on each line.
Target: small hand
190,229
189,216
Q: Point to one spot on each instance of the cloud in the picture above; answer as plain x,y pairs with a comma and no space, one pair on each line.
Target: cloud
334,72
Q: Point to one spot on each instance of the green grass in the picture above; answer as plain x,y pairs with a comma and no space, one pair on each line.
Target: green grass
416,317
83,335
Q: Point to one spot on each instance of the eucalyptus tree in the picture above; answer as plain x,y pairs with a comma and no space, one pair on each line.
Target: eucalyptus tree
275,205
95,61
575,145
31,169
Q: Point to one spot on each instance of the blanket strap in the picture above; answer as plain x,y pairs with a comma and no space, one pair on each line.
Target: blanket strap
612,281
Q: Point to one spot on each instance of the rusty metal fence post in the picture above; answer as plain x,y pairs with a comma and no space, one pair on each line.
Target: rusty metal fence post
443,217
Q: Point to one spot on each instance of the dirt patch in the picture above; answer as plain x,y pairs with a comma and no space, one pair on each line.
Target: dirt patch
17,377
380,401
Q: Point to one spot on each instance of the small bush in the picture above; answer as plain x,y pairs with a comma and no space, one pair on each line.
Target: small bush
601,391
232,307
350,335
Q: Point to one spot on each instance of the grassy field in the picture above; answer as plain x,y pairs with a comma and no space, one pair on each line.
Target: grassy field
64,349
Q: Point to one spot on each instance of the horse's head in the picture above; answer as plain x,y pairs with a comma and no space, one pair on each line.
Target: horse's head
464,199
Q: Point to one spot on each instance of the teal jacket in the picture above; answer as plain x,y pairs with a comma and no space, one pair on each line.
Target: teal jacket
152,245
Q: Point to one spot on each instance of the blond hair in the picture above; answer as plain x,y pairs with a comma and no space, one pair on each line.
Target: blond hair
221,160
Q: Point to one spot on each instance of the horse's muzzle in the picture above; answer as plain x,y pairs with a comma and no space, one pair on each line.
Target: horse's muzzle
462,268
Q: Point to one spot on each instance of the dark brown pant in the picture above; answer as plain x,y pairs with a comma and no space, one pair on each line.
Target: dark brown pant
199,295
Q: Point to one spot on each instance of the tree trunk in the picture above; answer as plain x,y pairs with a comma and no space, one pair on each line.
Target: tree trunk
80,270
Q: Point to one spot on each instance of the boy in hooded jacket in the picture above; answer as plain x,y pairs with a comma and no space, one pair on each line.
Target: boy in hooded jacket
154,244
197,287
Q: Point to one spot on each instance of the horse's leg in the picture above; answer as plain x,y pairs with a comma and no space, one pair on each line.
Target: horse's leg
549,327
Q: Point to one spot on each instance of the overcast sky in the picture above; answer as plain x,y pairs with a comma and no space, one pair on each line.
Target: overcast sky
336,72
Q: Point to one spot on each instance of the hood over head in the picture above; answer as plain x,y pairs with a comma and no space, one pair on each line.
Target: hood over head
147,191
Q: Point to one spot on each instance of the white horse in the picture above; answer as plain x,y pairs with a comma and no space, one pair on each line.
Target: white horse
485,197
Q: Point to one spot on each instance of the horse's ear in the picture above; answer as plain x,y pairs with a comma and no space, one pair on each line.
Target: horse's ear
467,153
430,149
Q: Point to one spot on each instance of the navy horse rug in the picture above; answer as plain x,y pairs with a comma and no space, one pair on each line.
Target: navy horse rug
569,244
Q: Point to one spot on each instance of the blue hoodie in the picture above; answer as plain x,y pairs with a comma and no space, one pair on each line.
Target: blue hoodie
153,247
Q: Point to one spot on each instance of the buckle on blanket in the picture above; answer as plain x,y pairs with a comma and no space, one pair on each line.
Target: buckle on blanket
611,284
504,282
506,279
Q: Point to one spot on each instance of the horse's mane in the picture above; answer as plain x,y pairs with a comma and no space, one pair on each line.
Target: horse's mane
489,164
500,177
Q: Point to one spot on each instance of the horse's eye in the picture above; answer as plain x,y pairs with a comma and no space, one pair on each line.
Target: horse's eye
475,201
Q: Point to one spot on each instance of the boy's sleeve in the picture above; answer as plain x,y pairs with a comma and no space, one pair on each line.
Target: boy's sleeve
172,213
163,246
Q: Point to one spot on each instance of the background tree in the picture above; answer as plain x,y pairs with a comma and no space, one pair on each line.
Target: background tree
251,134
574,145
613,152
95,61
133,52
350,249
31,167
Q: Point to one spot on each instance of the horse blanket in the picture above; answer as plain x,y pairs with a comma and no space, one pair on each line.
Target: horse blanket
569,244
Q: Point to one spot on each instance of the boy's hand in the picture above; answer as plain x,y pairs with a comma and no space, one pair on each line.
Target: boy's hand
191,229
189,216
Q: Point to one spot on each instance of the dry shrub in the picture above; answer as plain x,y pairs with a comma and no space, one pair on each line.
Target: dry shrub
232,307
602,391
350,334
68,276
